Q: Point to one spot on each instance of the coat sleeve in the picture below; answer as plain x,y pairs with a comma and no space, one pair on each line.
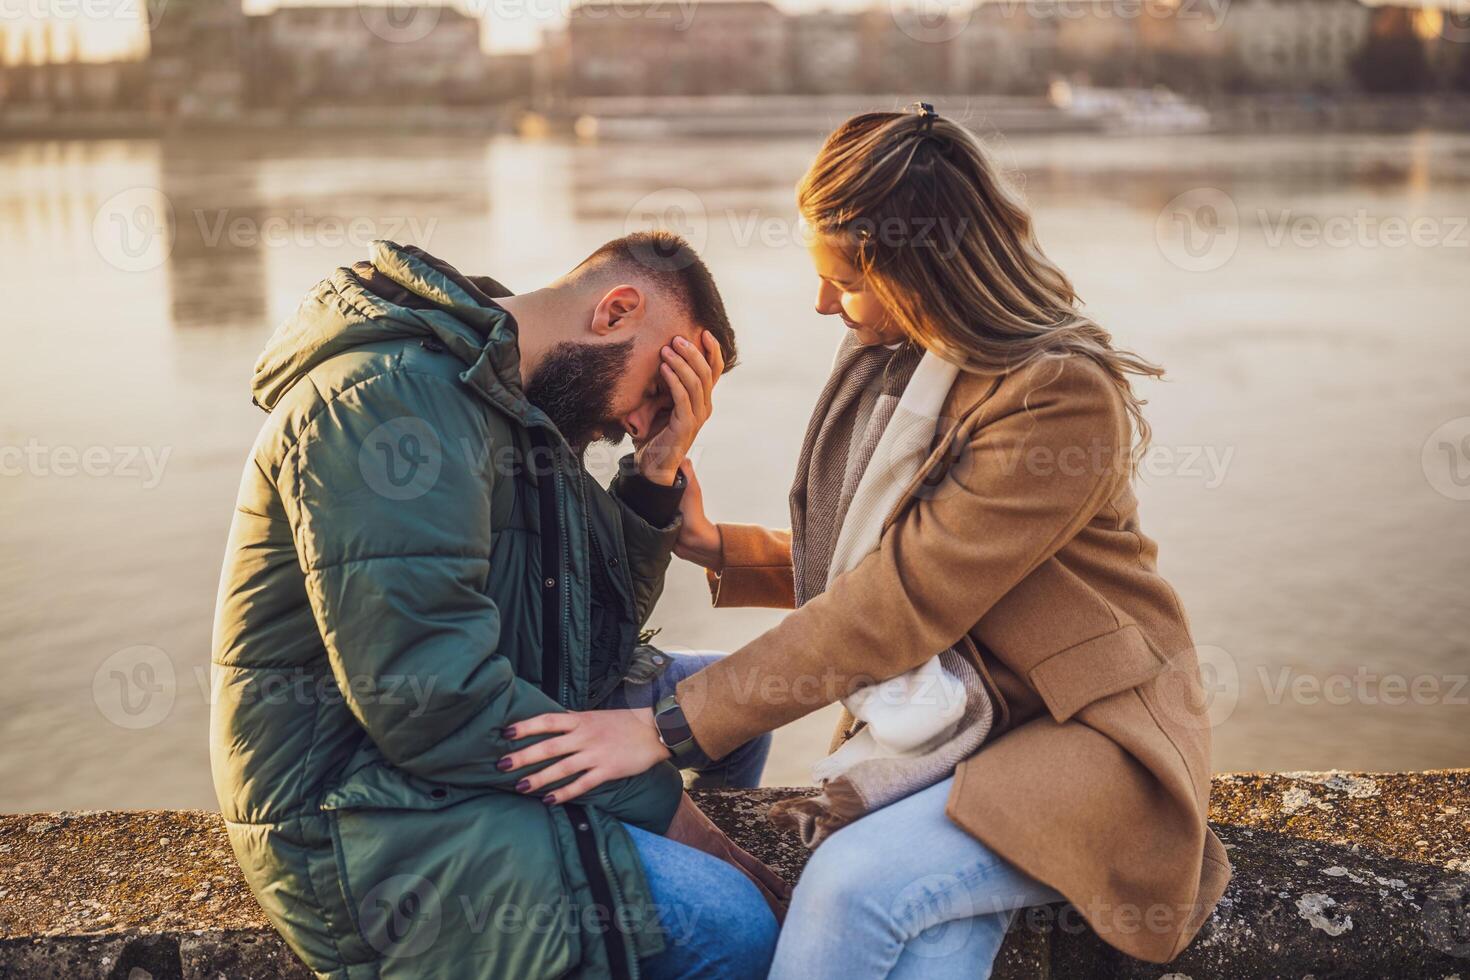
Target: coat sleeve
392,525
757,569
1046,457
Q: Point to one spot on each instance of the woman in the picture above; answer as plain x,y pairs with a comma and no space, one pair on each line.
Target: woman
1016,542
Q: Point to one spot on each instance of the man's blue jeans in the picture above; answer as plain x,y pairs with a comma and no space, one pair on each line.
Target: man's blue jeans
716,924
741,768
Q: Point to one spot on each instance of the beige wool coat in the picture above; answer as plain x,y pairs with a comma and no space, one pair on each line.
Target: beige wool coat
1021,541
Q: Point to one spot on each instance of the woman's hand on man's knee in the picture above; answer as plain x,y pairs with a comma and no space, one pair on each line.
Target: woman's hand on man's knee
595,747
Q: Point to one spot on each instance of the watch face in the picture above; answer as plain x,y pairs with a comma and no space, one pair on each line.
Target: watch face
673,730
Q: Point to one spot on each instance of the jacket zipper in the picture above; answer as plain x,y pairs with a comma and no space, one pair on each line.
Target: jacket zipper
556,666
604,893
554,564
566,618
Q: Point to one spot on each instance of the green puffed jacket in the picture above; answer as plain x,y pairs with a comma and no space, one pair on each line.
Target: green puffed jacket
407,574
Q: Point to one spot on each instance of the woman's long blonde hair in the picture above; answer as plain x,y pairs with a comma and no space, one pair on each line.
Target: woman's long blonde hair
948,248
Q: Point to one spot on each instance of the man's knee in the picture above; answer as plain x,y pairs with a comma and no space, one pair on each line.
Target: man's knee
728,929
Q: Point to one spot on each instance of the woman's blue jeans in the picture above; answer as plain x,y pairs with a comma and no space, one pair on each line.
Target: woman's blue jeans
902,893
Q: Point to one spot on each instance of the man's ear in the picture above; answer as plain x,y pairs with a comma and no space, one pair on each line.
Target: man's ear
620,308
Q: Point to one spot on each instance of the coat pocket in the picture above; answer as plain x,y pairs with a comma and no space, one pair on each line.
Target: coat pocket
1071,679
465,882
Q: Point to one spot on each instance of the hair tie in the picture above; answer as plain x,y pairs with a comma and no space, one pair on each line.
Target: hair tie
927,115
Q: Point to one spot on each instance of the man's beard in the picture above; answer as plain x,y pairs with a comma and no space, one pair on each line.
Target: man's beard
574,386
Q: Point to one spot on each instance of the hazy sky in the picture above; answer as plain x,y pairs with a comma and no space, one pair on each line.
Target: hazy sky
108,29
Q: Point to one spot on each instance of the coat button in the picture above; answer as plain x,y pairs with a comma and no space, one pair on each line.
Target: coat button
613,562
550,583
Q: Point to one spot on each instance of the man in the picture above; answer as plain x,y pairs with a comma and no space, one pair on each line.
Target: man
417,562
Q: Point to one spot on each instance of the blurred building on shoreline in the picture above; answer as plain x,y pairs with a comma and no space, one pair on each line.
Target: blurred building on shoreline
209,60
388,55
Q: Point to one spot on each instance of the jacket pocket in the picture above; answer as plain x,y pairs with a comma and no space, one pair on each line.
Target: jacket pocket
1071,679
468,883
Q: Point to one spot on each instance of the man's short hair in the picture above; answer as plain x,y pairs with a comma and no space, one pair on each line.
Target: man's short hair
672,265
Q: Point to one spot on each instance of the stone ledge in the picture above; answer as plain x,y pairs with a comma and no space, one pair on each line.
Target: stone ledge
1336,875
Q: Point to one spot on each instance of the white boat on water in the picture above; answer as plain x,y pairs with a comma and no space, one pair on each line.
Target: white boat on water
1130,110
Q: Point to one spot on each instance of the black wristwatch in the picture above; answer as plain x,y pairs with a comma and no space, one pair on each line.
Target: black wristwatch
677,736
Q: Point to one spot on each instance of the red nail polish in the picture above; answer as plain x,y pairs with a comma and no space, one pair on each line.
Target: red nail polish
510,732
549,799
523,785
503,764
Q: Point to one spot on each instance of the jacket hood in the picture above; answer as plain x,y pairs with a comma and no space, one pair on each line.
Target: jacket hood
401,292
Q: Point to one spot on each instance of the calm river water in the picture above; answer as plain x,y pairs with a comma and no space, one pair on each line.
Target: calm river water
1309,490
